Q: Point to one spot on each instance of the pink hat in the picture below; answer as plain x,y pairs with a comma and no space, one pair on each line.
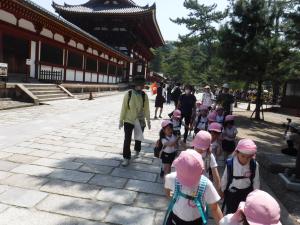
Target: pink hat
198,103
246,146
202,140
212,116
203,107
229,118
165,123
177,113
189,167
215,127
260,208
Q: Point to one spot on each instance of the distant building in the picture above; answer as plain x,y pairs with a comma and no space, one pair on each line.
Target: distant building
291,94
96,42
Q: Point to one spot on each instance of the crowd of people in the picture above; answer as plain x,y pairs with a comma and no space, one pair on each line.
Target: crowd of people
190,169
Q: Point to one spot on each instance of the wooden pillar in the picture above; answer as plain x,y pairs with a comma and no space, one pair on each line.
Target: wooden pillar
84,67
37,59
1,46
65,64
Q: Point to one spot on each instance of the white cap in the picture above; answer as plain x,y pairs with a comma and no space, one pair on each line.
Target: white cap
225,85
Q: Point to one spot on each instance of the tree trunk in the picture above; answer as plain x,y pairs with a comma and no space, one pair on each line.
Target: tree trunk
258,100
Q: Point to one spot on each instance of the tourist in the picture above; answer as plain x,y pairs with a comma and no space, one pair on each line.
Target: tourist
188,203
292,139
159,100
175,94
207,97
201,121
135,110
260,208
225,99
186,105
241,175
215,129
202,144
169,96
229,135
169,143
176,121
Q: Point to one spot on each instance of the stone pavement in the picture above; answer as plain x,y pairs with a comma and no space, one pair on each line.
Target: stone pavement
60,165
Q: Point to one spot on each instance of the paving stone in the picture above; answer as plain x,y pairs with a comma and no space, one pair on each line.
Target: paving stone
18,158
85,153
71,175
99,161
22,197
159,218
5,155
151,201
64,156
41,153
94,168
76,207
4,175
7,166
145,187
57,163
19,150
108,181
80,145
138,175
143,160
19,216
25,181
144,167
127,215
2,208
71,188
33,170
117,195
113,156
3,188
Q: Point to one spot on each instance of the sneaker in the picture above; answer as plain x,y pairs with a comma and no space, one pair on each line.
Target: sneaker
160,116
136,154
125,162
155,117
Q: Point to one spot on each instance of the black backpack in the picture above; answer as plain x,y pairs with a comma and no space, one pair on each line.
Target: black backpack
129,97
158,147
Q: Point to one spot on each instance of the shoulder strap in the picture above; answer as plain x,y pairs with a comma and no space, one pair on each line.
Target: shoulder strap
129,97
229,164
172,202
253,170
199,200
144,97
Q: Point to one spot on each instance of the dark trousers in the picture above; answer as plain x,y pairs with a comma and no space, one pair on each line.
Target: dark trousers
187,121
175,220
233,199
128,129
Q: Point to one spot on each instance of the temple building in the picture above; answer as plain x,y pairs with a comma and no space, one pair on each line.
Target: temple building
100,41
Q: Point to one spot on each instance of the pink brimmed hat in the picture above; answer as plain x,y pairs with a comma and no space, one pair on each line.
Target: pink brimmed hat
260,208
202,140
215,127
189,168
229,118
198,103
177,113
246,146
165,123
212,116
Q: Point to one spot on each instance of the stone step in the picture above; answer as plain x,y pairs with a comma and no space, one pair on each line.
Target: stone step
42,88
39,85
41,97
42,92
54,99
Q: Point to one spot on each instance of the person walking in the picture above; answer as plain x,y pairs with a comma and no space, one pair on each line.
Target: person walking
225,99
135,109
175,94
207,98
159,100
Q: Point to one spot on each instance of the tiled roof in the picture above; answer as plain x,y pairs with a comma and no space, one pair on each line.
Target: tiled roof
101,10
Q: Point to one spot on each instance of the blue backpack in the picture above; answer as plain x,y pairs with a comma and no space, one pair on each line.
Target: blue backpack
197,200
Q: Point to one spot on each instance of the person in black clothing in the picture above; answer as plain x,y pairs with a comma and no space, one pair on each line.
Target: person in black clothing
225,99
186,104
169,91
175,94
159,100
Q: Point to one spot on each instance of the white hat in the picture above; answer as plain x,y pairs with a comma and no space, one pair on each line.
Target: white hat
225,85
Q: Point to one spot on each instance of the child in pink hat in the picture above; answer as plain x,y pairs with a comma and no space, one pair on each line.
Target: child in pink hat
260,208
220,115
241,175
202,144
169,146
215,129
212,117
229,136
176,121
201,121
192,191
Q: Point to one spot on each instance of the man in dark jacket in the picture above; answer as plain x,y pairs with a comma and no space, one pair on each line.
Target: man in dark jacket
175,94
225,99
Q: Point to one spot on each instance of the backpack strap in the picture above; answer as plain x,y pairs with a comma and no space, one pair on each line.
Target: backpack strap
229,166
198,201
130,94
173,201
253,170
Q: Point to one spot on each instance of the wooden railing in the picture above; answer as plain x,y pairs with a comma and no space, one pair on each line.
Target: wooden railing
51,76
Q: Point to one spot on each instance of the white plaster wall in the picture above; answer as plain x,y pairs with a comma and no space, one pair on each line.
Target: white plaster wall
58,69
43,67
80,46
79,76
104,79
8,17
88,77
26,25
70,75
72,43
95,52
33,58
47,33
90,50
101,78
94,77
59,38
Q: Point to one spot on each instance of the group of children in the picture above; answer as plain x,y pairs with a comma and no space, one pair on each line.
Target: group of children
196,186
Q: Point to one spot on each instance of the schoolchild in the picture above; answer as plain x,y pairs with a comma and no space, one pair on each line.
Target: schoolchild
191,192
260,208
241,175
212,117
201,121
176,121
220,115
229,136
215,129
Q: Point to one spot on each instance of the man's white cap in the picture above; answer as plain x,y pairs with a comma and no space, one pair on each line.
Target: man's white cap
225,85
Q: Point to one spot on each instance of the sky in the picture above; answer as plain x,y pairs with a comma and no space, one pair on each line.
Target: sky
165,9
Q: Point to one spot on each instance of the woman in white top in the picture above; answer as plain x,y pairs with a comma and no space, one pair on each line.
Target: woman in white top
207,98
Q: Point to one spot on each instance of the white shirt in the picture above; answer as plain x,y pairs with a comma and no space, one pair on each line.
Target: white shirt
207,99
215,146
209,162
176,125
240,170
202,125
229,134
168,149
184,208
227,220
